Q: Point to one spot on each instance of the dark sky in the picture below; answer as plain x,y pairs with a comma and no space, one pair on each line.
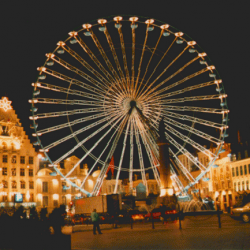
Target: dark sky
29,29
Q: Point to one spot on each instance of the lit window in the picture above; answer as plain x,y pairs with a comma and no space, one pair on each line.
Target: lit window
238,186
5,158
4,171
22,172
13,171
247,183
237,171
243,185
235,187
31,185
241,170
55,203
248,168
5,184
13,184
45,201
45,186
22,159
13,159
31,160
233,173
30,172
22,184
245,169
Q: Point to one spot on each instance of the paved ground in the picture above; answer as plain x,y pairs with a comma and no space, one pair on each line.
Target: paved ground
196,233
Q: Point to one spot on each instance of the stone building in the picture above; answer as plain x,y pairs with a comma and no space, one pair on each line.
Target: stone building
27,172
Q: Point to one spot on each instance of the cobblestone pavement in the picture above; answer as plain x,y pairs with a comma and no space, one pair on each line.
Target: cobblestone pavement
201,232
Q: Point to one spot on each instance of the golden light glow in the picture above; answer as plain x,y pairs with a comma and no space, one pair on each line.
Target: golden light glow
36,134
150,21
68,196
5,104
43,69
28,195
33,117
211,67
133,19
202,54
37,84
90,182
87,26
73,33
218,81
33,101
166,191
178,34
191,43
164,26
102,21
55,181
117,18
60,43
55,196
50,55
39,196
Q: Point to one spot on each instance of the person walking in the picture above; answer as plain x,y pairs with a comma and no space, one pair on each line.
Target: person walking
95,219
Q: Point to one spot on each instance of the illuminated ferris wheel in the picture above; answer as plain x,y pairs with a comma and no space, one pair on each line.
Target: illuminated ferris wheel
104,90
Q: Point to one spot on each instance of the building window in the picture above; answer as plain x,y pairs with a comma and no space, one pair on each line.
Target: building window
31,160
243,185
13,171
22,172
241,170
22,184
5,198
4,171
238,186
245,169
235,187
22,159
223,185
5,158
64,184
64,200
249,168
247,182
31,185
30,172
13,159
5,184
55,203
229,184
45,186
45,201
31,197
109,188
233,173
13,184
237,171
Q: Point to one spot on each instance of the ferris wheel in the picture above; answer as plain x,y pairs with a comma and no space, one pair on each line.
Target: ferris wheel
103,91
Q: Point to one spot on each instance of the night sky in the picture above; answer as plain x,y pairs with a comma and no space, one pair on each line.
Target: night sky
29,29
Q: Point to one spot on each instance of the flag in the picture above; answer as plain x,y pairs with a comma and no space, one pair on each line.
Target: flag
111,165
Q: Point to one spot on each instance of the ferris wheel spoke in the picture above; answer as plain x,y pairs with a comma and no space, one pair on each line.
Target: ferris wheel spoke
185,152
140,64
94,146
110,66
140,154
111,152
121,158
131,159
124,55
98,159
111,45
195,109
189,141
193,130
80,131
146,70
83,141
176,83
164,71
69,112
69,124
94,59
87,66
183,169
79,72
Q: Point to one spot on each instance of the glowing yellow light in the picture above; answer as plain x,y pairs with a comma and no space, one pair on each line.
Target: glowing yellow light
33,117
210,67
50,55
87,26
117,18
218,81
36,134
37,84
102,21
133,19
73,33
150,21
39,196
60,43
55,196
202,54
191,43
164,26
68,196
223,96
178,34
5,104
55,181
28,195
40,156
